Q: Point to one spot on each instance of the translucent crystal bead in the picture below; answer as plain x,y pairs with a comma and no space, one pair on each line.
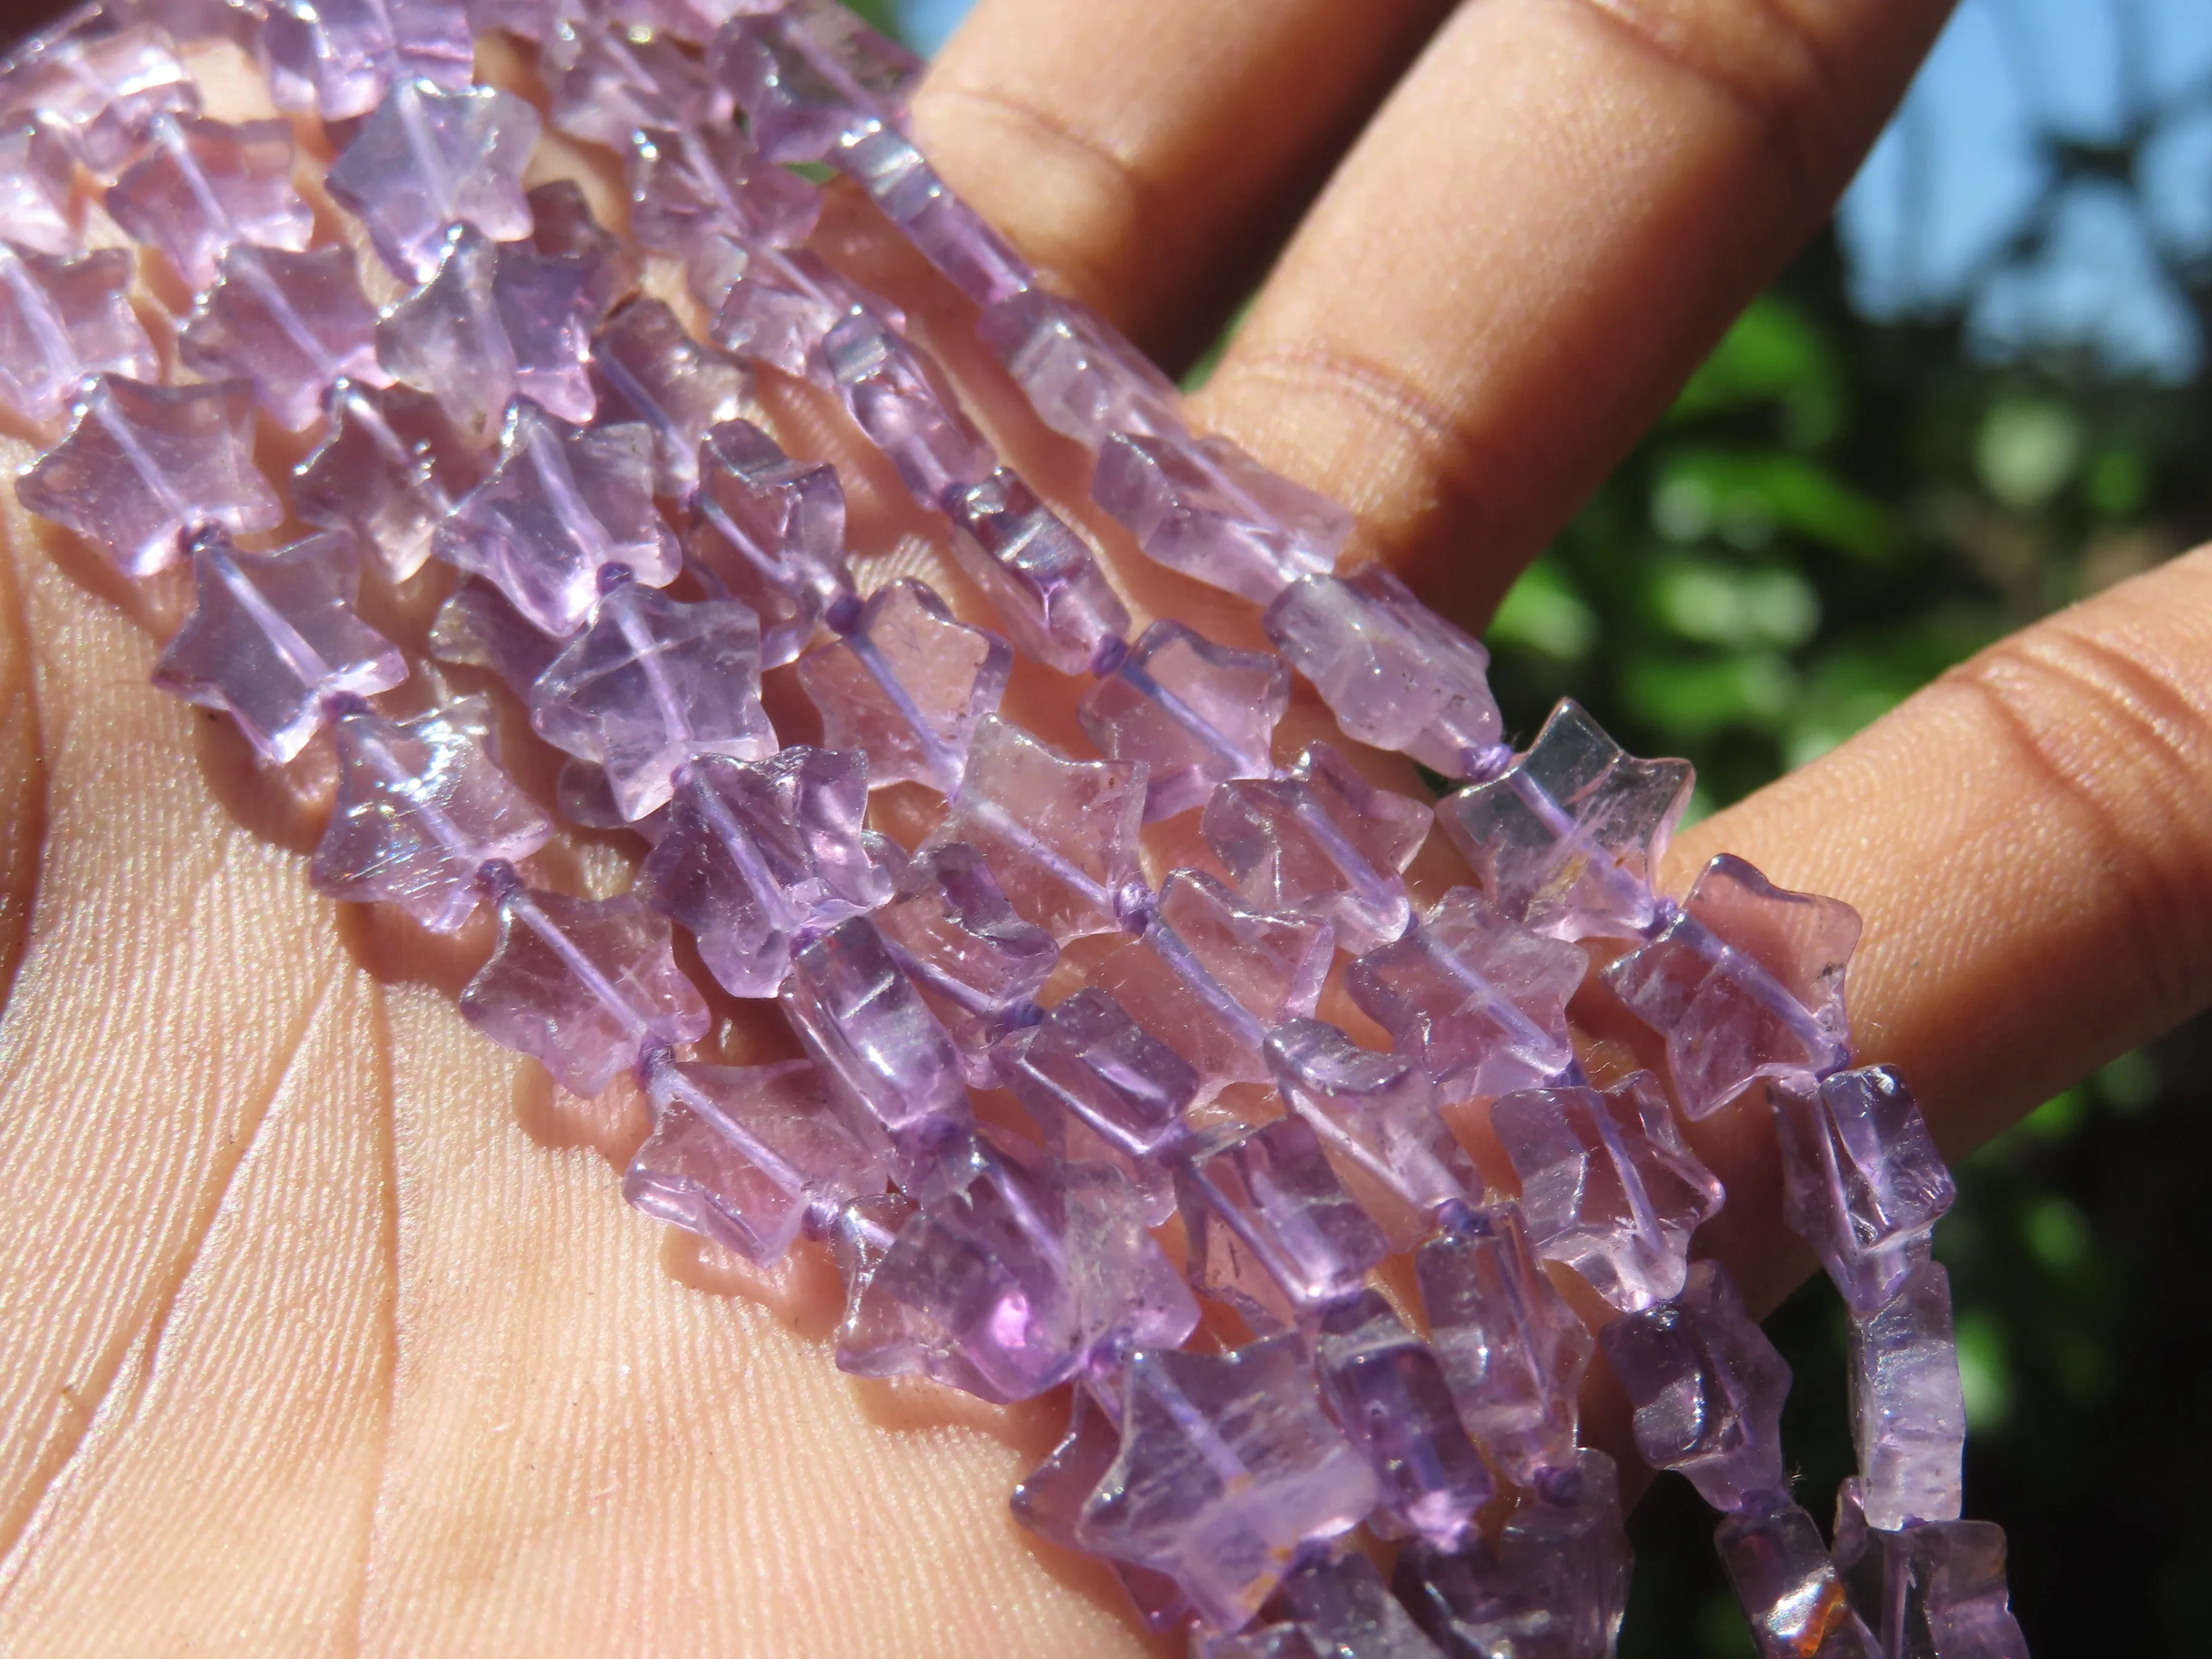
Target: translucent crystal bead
560,503
428,158
1049,1503
650,684
707,196
582,986
1343,1607
62,319
144,466
756,851
562,228
340,57
420,805
645,367
1932,1591
272,637
38,187
289,323
779,307
1608,1186
1786,1583
1480,1002
103,89
897,395
389,468
606,85
1375,1111
1082,377
764,525
1042,578
1745,981
1195,713
908,686
203,185
948,232
476,626
1908,1410
810,73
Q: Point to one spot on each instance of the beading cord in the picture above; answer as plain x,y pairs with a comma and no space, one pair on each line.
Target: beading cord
524,413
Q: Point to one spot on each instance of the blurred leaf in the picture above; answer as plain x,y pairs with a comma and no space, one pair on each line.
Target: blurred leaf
1745,498
2119,480
1774,355
1689,699
1542,612
1984,1370
1722,604
2026,451
2130,1083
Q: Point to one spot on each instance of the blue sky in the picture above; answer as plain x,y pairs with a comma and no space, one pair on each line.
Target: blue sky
1959,169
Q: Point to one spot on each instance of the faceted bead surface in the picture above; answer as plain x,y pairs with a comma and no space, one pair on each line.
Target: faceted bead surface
420,805
1478,1002
1746,981
1862,1180
1195,713
1204,507
645,367
1322,842
1386,1389
143,466
1553,1586
582,986
62,319
899,399
560,503
1932,1591
1344,1607
1393,672
1049,1503
1566,840
389,468
340,57
948,232
1227,1466
1271,1231
707,196
1608,1186
104,89
1210,977
810,74
779,307
1787,1585
1061,835
763,523
289,323
1083,377
1043,579
953,932
606,85
908,687
651,683
562,228
1376,1111
272,636
203,185
1707,1388
428,158
742,1155
38,188
1908,1411
1513,1351
756,851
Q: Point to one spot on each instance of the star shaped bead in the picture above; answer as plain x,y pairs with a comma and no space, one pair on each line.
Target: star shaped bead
38,187
561,227
1082,377
606,85
338,58
206,185
1042,578
1375,1110
428,158
772,531
62,319
388,470
707,196
1195,713
896,395
289,323
811,74
645,367
105,87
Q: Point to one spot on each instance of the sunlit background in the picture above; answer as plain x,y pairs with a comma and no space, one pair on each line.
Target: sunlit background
1982,396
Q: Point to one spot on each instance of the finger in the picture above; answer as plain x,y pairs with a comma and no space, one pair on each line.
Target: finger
2029,840
1150,157
1542,234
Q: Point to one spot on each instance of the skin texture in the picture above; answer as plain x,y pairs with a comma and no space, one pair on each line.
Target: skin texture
322,1327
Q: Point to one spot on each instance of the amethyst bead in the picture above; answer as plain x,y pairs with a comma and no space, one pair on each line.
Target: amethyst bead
1082,377
105,90
1908,1411
1787,1585
1049,1503
38,187
764,523
389,468
1043,577
562,228
707,197
809,75
340,57
1195,713
428,159
477,627
62,319
1932,1591
1343,1607
948,232
1377,1111
204,185
645,367
898,396
289,323
606,85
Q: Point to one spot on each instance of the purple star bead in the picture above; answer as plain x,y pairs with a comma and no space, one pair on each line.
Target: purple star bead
62,319
1377,1112
562,228
1908,1412
1343,1607
1862,1180
1061,835
651,683
977,962
1707,1388
898,396
39,209
338,58
271,639
105,89
1385,1388
1209,976
1204,507
389,468
1322,842
145,466
770,531
779,307
1271,1231
1745,981
1081,376
1932,1591
746,1156
1228,1467
420,805
606,86
1195,713
477,627
560,503
1042,578
908,687
1787,1584
1049,1503
948,232
1608,1186
809,75
1565,842
289,323
206,185
428,158
583,985
1480,1002
1514,1352
645,367
1393,672
707,196
756,851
